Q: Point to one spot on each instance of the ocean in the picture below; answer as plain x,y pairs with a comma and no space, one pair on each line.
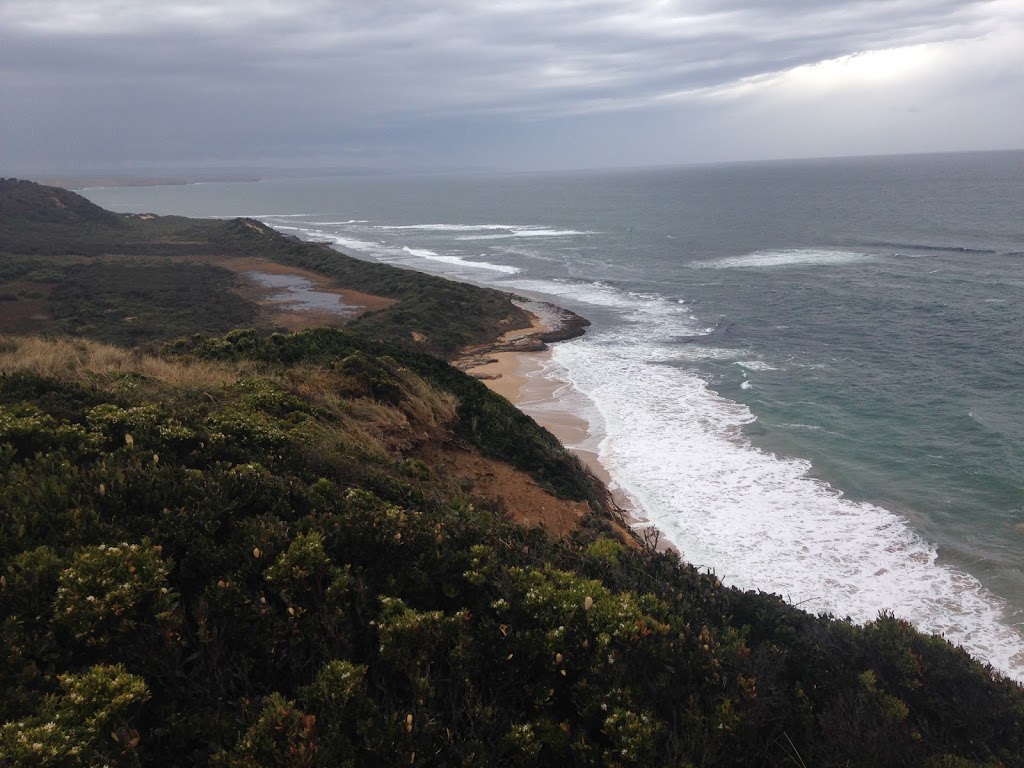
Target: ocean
807,374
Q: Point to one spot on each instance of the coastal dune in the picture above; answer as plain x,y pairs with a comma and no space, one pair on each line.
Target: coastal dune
515,367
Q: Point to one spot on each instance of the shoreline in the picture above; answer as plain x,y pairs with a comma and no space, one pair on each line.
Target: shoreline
505,366
512,367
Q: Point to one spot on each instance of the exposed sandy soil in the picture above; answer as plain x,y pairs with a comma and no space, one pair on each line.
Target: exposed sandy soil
294,319
523,500
513,375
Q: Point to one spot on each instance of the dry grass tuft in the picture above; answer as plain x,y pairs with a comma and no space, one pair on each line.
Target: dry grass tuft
423,405
427,405
77,359
356,426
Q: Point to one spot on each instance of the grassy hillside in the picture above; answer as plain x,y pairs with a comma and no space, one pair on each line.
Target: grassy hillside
47,220
446,314
234,557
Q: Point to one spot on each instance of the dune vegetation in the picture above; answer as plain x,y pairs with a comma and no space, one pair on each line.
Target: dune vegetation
248,548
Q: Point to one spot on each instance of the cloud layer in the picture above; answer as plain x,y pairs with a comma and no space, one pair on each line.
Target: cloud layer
405,83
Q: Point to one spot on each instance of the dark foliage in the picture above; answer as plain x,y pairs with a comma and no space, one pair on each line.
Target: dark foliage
43,228
135,303
485,419
37,219
251,573
230,556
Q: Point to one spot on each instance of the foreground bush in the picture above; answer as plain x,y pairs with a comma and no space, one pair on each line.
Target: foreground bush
240,561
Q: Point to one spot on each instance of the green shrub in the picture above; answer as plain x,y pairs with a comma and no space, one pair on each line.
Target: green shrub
89,723
333,597
110,590
283,736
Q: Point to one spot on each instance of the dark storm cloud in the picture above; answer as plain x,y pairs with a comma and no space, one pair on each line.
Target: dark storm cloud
224,79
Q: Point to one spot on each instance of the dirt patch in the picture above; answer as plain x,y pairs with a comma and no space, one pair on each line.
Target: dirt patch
516,492
523,500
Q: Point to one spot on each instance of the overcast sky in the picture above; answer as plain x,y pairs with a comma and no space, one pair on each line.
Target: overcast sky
407,84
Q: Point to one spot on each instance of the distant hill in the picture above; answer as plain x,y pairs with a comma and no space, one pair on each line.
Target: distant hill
25,202
69,266
38,219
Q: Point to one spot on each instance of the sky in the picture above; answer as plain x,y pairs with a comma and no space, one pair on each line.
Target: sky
130,86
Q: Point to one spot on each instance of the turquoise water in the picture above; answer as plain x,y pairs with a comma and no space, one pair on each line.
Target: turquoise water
808,374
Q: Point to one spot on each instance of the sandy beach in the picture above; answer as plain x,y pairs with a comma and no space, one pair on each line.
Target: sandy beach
517,376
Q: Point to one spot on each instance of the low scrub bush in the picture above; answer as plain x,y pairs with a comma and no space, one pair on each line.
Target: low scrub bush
250,570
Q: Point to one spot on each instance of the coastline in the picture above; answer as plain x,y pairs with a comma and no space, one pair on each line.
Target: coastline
513,367
79,183
517,368
524,399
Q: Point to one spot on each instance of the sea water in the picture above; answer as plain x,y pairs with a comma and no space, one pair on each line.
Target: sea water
807,374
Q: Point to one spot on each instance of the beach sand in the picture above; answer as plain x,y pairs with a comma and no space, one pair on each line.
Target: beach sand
516,376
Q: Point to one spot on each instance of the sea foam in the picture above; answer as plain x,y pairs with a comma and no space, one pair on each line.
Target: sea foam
446,227
381,250
785,258
678,450
487,231
760,520
459,261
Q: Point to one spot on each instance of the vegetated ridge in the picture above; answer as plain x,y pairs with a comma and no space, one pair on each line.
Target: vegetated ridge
256,549
68,266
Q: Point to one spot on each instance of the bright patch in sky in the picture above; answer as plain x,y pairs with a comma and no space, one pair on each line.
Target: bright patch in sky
870,67
420,84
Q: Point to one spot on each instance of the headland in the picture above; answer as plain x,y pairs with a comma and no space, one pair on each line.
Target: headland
224,543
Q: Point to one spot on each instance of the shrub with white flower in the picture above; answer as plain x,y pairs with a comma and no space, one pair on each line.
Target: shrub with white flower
633,734
110,589
88,723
